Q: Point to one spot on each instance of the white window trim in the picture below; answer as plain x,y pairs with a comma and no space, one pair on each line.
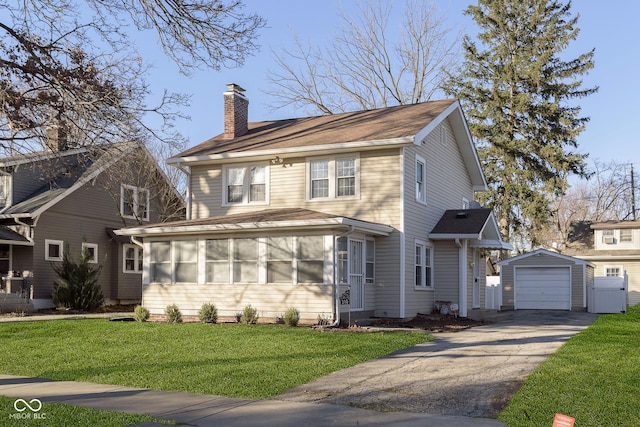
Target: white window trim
423,286
136,198
619,267
421,199
136,259
48,242
333,178
626,241
94,260
245,184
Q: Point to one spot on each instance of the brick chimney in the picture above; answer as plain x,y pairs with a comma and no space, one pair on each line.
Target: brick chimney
57,138
236,112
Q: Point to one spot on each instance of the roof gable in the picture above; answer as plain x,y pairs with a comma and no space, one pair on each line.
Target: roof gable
547,252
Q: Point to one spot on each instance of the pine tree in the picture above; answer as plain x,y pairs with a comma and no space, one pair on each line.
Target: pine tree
516,88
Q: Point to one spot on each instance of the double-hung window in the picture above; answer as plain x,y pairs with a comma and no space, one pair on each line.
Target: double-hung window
132,259
421,180
626,235
245,261
246,184
423,266
217,261
134,202
310,259
330,178
279,259
174,262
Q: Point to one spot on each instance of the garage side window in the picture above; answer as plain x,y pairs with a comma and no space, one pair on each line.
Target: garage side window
613,270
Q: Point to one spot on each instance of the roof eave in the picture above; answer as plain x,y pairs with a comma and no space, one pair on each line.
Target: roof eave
338,222
306,150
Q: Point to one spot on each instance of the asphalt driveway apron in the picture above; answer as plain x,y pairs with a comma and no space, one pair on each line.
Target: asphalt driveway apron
470,373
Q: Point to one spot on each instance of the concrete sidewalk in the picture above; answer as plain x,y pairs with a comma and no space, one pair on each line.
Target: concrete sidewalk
205,410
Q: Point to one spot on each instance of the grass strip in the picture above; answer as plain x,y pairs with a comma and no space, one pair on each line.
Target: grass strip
244,361
593,378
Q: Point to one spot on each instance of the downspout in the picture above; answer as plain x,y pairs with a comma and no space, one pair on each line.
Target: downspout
336,284
462,285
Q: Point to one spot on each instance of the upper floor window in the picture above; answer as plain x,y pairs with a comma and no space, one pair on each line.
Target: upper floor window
626,235
246,184
333,177
134,202
421,184
608,237
5,188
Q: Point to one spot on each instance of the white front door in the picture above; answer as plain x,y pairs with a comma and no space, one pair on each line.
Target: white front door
356,274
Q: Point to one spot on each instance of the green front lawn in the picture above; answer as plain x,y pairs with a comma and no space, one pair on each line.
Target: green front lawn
594,378
247,361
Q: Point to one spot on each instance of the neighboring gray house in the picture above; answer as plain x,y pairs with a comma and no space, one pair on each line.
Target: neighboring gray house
334,215
71,199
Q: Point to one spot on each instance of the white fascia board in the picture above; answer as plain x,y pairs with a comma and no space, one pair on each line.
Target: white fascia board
491,244
444,236
42,156
605,258
306,150
422,134
368,228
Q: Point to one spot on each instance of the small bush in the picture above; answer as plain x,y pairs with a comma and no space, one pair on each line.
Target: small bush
77,286
249,315
173,314
291,316
141,314
208,313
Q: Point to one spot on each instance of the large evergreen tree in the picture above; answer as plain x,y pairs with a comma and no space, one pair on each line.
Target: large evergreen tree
516,88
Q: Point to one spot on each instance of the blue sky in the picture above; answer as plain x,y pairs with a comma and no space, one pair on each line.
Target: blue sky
611,27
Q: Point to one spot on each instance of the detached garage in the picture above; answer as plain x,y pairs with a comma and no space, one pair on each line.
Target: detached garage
545,280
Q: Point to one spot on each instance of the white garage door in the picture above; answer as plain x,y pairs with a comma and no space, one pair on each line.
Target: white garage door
544,288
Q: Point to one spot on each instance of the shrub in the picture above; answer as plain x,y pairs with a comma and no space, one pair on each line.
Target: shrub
173,314
249,315
208,313
77,286
291,316
141,314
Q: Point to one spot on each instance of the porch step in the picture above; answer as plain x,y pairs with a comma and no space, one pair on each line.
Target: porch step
14,303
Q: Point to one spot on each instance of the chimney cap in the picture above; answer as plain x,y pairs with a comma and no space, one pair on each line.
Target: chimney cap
233,87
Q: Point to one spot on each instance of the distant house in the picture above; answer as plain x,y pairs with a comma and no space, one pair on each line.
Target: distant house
351,215
613,247
71,200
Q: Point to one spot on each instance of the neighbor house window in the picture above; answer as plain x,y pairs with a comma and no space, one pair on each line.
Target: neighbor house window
53,250
134,202
217,261
310,259
246,184
279,260
423,266
333,177
608,236
626,235
132,262
91,250
613,271
5,188
421,185
245,261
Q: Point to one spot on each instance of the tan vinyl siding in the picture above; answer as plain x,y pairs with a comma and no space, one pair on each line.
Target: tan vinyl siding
632,267
446,271
447,183
387,290
271,300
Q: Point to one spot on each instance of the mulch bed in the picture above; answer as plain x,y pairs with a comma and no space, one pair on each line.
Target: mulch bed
430,322
103,309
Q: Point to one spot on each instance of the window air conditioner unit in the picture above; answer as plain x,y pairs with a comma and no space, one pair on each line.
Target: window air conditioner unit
608,240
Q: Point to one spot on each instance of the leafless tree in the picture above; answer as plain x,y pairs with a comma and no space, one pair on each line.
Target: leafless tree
70,63
371,62
607,195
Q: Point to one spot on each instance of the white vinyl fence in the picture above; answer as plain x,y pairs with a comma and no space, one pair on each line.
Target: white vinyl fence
609,295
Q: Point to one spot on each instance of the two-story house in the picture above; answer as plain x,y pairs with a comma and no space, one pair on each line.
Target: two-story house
71,199
613,247
342,216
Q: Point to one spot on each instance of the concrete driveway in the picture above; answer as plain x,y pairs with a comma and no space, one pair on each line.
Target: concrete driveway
470,373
